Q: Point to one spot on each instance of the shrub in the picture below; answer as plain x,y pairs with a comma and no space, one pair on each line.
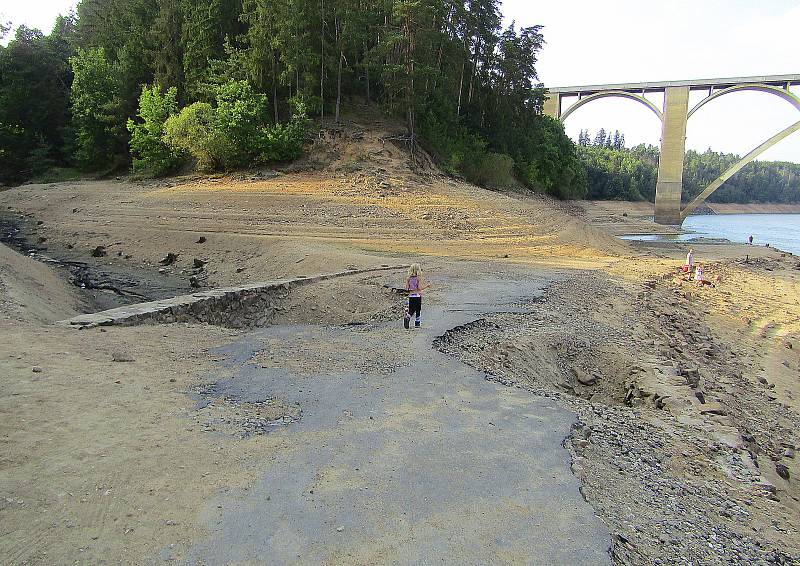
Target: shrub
194,131
40,158
151,155
491,170
235,133
283,142
241,116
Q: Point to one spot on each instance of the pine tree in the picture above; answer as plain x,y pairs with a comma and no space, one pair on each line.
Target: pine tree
600,138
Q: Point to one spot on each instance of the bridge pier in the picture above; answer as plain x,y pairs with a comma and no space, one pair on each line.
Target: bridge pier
552,105
670,162
673,120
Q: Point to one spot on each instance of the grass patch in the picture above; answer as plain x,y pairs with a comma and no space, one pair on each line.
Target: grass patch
57,175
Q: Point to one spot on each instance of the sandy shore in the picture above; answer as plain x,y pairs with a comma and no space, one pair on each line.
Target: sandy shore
684,398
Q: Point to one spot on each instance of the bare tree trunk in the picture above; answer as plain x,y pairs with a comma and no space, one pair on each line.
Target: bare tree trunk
322,64
473,72
339,86
275,84
366,68
460,89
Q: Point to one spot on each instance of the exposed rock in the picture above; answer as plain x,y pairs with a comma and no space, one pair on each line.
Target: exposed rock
692,376
36,369
169,259
782,471
713,408
199,263
202,240
121,357
582,376
99,251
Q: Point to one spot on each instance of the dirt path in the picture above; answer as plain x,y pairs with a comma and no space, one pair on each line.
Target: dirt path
402,455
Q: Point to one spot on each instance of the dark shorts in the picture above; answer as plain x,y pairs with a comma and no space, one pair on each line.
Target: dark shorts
414,306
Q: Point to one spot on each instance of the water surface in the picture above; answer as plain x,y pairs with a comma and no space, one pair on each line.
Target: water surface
780,231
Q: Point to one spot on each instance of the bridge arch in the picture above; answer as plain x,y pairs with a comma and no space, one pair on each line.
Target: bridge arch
612,93
736,167
733,169
780,92
673,118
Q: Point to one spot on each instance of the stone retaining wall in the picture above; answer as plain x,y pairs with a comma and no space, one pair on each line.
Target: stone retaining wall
244,306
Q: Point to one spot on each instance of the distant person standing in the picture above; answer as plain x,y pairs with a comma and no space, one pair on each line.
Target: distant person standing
414,285
750,240
690,261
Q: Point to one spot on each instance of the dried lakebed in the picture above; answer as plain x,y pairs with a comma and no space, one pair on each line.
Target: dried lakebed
402,454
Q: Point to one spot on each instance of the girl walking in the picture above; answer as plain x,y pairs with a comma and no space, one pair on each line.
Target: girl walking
414,285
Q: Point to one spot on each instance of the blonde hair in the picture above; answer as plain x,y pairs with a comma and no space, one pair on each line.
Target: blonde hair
414,270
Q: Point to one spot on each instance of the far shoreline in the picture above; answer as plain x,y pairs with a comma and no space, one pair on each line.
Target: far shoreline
646,208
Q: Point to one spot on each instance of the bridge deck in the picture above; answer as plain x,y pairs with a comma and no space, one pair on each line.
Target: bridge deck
697,84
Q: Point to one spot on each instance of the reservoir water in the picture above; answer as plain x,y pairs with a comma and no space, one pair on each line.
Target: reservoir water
781,231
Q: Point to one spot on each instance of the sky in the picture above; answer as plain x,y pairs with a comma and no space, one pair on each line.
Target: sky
617,41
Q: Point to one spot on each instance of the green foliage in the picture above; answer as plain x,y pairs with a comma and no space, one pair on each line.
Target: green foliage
759,181
151,155
491,170
546,159
235,132
35,78
283,142
619,173
124,29
241,117
454,147
97,117
465,86
195,132
206,24
58,175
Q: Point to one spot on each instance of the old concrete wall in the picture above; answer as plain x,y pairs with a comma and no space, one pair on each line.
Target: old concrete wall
245,306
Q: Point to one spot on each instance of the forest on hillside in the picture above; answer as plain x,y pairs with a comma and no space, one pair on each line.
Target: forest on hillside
225,84
615,172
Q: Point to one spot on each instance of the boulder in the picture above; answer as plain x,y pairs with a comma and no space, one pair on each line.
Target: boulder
169,259
713,408
582,376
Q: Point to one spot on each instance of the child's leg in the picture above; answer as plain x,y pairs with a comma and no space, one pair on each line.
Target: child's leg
414,308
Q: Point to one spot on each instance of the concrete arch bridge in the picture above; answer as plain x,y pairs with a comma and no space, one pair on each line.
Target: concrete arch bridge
673,116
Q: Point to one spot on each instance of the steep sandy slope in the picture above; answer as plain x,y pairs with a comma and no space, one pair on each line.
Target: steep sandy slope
33,291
